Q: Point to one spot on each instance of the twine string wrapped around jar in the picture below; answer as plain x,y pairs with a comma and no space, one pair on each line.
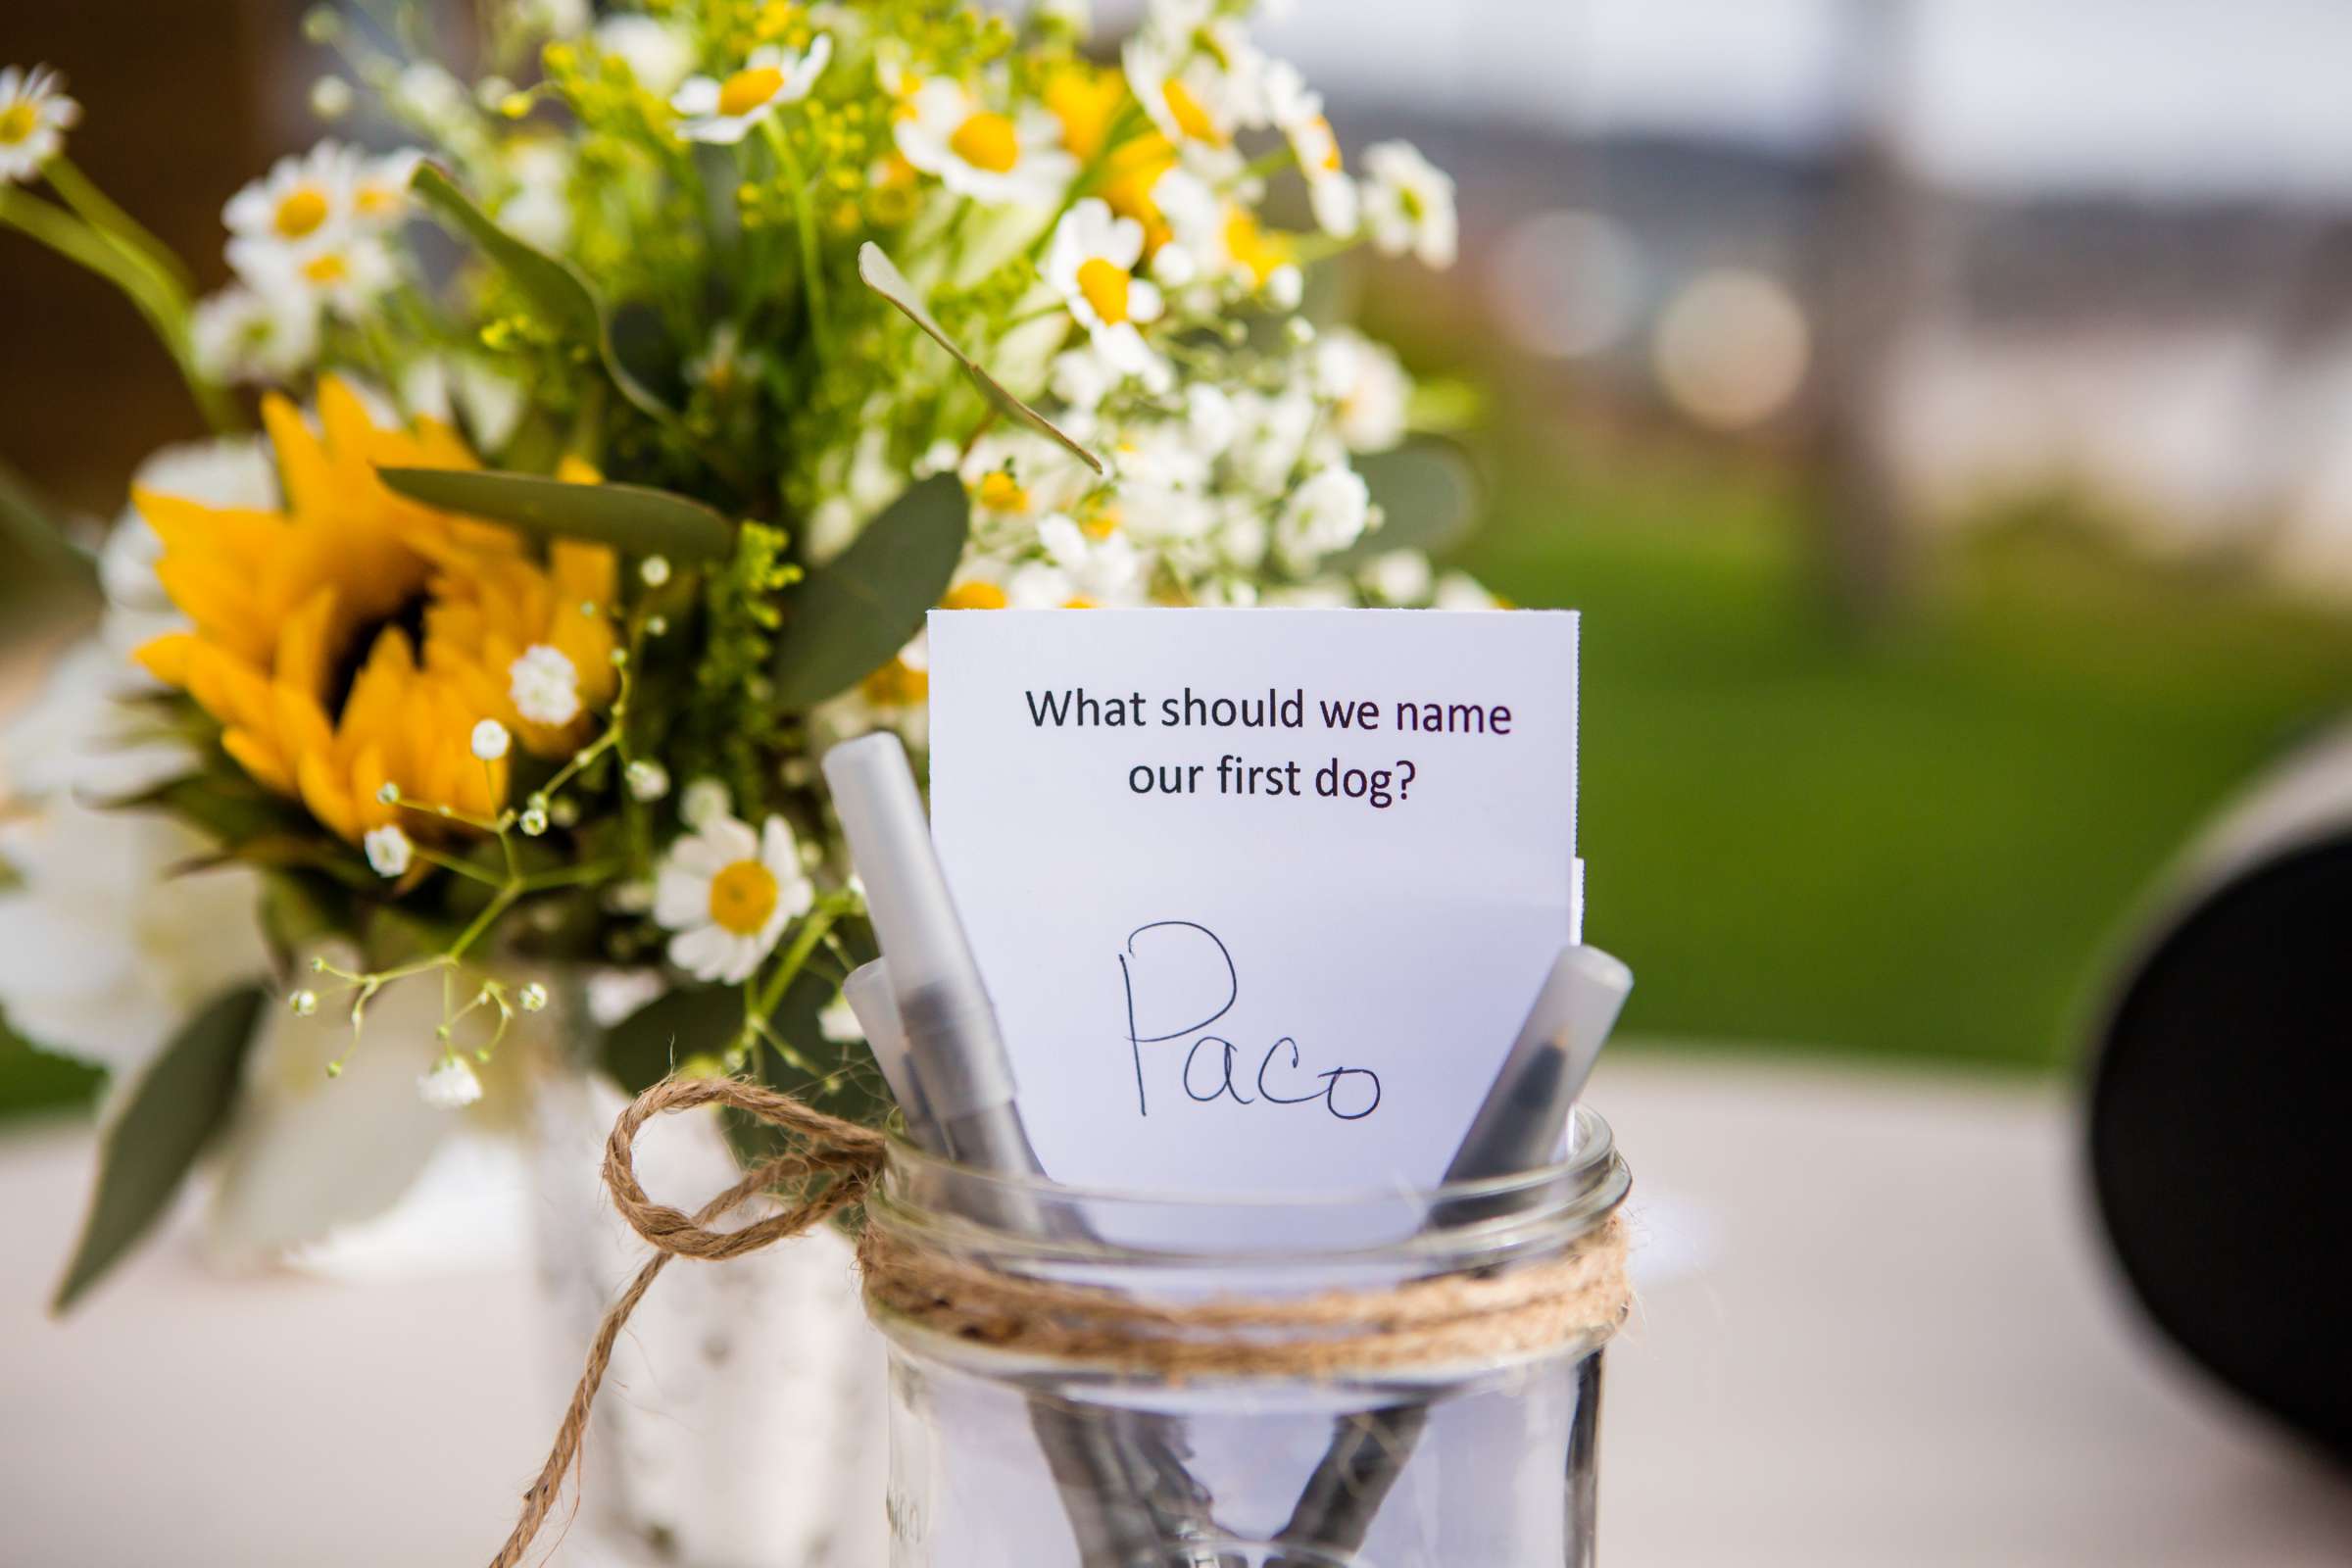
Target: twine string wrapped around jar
1579,1294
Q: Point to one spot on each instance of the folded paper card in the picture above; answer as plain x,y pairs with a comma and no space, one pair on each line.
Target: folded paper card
1262,895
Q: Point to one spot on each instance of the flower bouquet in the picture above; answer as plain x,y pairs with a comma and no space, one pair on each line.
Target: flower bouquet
613,440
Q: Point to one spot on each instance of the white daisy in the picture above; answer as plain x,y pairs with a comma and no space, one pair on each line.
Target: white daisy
659,54
345,272
1399,576
1326,513
241,334
1299,113
1408,204
1090,265
449,1085
34,116
544,686
838,1022
1197,76
1095,566
539,210
725,112
992,158
704,800
304,202
729,893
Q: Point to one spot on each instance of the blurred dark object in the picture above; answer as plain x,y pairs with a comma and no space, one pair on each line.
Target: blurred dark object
2218,1142
174,100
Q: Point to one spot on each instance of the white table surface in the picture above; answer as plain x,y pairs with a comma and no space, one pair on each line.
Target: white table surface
1874,1330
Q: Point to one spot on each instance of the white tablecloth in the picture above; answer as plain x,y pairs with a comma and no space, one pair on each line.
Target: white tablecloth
1874,1330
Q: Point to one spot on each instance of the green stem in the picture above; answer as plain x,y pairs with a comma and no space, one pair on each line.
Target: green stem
804,220
156,298
99,211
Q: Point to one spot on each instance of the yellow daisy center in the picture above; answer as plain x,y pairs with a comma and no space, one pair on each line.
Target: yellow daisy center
17,122
1100,523
746,90
974,596
300,214
742,896
377,201
987,142
1323,134
327,268
1078,601
1001,492
1252,247
896,684
1105,289
1186,110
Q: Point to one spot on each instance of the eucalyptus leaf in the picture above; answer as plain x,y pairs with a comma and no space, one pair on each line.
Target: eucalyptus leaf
882,276
629,518
549,283
1427,494
177,1105
851,616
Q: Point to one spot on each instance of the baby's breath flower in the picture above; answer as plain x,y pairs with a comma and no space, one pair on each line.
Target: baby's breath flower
449,1085
838,1023
303,1004
532,998
490,739
330,97
389,851
654,570
544,686
648,780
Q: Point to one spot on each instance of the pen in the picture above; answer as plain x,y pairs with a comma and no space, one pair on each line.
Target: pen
1518,1128
867,992
1125,1489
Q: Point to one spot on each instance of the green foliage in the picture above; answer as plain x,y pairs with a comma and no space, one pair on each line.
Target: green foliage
855,612
171,1114
732,718
631,519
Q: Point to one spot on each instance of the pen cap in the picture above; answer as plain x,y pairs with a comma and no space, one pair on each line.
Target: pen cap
942,1010
1578,1007
890,840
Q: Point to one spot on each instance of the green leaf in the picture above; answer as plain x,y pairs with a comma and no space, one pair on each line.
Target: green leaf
549,284
629,518
853,615
178,1103
1427,495
28,521
881,275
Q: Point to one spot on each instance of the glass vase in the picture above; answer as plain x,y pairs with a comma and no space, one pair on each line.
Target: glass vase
1008,1459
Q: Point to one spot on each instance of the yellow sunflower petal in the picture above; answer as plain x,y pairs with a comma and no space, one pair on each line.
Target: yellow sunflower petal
257,757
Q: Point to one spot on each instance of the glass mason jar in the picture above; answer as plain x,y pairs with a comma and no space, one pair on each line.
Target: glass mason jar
1003,1458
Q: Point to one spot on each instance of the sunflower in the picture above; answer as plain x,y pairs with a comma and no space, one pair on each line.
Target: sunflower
355,639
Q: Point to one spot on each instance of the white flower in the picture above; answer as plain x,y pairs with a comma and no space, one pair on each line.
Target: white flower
729,893
1197,75
1408,204
1090,265
241,334
449,1085
544,686
704,800
303,201
1399,576
1325,514
657,54
232,473
108,944
1271,433
389,851
331,97
1298,111
1459,590
552,18
344,271
430,95
1366,387
490,739
379,186
993,157
34,116
725,112
838,1022
1088,570
646,779
539,211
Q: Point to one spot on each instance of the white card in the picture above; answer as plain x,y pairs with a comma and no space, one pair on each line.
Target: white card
1230,956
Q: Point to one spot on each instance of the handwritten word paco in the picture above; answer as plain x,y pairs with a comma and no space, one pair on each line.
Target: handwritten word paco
1186,957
